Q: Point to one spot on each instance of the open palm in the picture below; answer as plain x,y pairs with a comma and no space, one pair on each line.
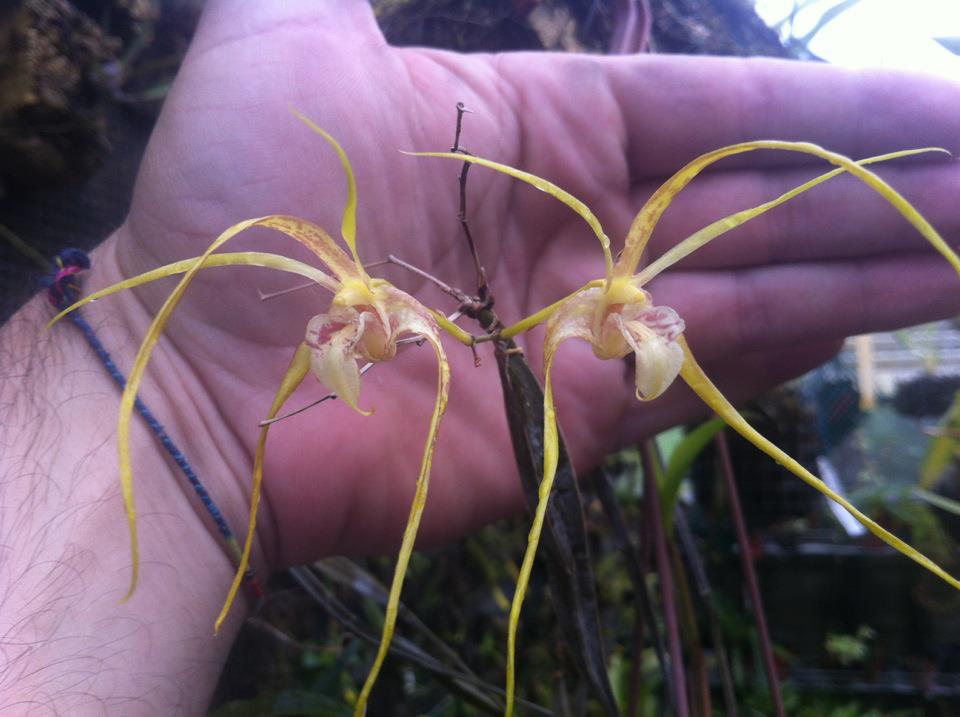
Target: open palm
760,306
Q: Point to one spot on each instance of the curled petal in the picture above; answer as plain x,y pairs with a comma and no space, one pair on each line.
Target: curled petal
407,315
577,318
333,340
661,319
609,341
546,313
404,315
658,355
397,313
379,341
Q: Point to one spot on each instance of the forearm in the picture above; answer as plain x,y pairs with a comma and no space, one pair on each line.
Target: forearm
67,645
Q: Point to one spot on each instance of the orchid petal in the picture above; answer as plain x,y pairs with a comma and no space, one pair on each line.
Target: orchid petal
551,453
316,240
296,372
576,318
650,214
132,388
732,221
543,185
298,229
573,320
333,339
704,388
348,225
544,314
428,330
245,258
461,335
407,315
658,357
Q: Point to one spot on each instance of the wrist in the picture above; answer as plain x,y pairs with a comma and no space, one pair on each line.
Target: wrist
66,560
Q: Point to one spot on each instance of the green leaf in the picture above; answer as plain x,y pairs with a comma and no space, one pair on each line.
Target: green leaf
938,501
943,449
679,463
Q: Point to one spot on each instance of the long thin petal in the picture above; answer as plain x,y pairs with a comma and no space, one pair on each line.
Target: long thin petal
413,522
296,372
732,221
316,240
542,184
461,335
293,227
573,323
244,258
527,323
551,453
130,394
650,214
704,388
348,226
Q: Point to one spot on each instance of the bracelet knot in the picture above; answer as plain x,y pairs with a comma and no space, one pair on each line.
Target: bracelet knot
62,288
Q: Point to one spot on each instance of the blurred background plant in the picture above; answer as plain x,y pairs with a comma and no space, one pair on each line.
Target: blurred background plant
690,576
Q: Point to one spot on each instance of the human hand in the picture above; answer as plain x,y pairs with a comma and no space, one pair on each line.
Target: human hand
760,306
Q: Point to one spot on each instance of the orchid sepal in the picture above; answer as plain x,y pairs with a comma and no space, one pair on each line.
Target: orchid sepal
297,370
246,258
543,185
646,220
413,522
660,351
304,232
700,384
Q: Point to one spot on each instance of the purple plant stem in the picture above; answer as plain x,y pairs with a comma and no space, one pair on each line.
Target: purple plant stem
753,585
652,500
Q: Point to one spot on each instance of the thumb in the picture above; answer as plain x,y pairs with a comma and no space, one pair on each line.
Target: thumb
226,20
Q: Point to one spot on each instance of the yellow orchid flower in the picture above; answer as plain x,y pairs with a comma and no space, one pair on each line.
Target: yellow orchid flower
616,316
366,318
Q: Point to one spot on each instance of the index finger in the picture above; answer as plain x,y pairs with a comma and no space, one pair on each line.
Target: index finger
675,108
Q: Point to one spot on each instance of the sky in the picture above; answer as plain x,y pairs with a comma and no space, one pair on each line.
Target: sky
887,33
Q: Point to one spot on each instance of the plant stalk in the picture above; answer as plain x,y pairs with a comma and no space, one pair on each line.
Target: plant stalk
749,572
